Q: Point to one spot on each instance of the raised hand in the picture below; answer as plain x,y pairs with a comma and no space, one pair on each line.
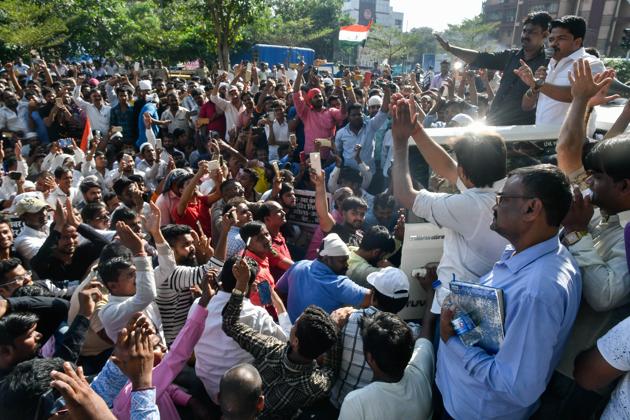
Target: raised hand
404,123
241,272
71,218
318,179
525,74
59,217
153,220
129,239
580,213
88,297
444,44
208,286
203,250
583,87
137,361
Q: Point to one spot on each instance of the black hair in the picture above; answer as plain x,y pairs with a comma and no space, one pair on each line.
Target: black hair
21,389
108,196
355,106
378,237
233,203
285,187
138,179
551,186
91,210
388,304
227,183
541,19
610,157
353,203
114,249
385,200
315,331
172,232
483,157
253,174
8,265
265,210
390,342
251,229
87,184
110,269
14,325
61,171
121,214
240,390
227,279
32,290
121,184
351,175
576,25
4,219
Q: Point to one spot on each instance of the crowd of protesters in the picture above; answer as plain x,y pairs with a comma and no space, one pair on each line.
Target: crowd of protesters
150,267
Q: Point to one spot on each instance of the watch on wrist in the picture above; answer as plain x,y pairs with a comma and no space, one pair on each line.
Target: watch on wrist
237,292
537,85
571,238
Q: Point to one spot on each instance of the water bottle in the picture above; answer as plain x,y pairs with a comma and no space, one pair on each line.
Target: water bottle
441,292
465,328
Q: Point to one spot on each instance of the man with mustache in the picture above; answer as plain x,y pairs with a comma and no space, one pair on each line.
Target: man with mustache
506,107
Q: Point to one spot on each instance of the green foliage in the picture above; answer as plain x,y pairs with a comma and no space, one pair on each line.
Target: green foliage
473,33
621,66
26,25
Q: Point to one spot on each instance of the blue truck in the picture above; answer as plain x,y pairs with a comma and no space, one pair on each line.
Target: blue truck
279,54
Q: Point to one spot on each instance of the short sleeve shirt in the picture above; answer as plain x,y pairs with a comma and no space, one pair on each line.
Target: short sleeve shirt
615,349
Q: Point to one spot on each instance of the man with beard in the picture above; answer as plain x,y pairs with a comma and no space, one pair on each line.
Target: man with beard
542,288
371,255
60,257
193,259
9,119
506,106
353,209
322,282
33,211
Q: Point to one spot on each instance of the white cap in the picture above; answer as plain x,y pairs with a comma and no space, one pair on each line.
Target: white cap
463,119
30,204
223,85
328,81
375,101
391,282
145,85
333,246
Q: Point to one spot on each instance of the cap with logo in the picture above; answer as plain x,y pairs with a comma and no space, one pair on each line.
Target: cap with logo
391,282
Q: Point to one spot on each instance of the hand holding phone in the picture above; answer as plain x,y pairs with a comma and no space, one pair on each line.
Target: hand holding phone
316,162
264,292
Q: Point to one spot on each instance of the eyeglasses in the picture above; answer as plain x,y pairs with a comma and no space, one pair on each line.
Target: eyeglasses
18,279
501,196
102,217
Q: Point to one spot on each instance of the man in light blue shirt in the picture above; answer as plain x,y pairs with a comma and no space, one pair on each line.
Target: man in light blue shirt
541,286
322,282
360,130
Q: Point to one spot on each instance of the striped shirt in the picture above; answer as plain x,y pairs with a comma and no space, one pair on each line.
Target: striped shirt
174,298
354,371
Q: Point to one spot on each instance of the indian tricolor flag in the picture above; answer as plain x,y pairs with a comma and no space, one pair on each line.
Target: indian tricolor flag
354,33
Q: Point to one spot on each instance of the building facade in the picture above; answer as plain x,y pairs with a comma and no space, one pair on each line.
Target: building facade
605,19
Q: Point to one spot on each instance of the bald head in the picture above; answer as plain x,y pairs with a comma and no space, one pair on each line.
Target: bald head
240,393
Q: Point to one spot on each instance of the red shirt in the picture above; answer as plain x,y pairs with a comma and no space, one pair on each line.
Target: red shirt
197,209
209,110
263,275
279,245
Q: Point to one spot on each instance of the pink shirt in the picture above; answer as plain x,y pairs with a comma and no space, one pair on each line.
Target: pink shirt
168,395
317,124
318,236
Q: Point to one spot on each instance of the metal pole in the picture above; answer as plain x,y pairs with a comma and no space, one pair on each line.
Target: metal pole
518,7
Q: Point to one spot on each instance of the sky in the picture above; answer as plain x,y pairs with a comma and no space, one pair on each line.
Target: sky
441,13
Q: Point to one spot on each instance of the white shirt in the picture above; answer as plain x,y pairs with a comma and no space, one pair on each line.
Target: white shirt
615,349
230,111
410,398
9,187
10,120
57,194
550,111
116,313
178,120
29,241
99,118
216,352
281,135
470,247
152,172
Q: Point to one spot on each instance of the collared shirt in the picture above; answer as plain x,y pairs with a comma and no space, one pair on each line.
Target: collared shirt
287,385
601,255
550,111
210,368
313,282
9,120
437,81
264,274
506,106
178,120
124,119
317,124
354,371
231,112
57,194
279,245
99,117
542,288
409,398
346,139
470,246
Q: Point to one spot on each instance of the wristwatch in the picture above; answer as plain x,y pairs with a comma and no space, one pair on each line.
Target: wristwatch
237,292
537,85
530,93
572,238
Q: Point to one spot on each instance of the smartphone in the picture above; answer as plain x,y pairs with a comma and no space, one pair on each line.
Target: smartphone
302,156
324,142
246,246
248,72
59,102
213,165
233,215
116,129
293,140
136,66
316,162
158,143
338,82
264,292
14,175
65,143
276,169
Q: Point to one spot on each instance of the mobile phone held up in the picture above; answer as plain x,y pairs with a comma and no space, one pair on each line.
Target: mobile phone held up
264,292
63,143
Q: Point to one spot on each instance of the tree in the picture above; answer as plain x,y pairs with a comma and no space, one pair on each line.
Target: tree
473,33
389,42
27,25
229,17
